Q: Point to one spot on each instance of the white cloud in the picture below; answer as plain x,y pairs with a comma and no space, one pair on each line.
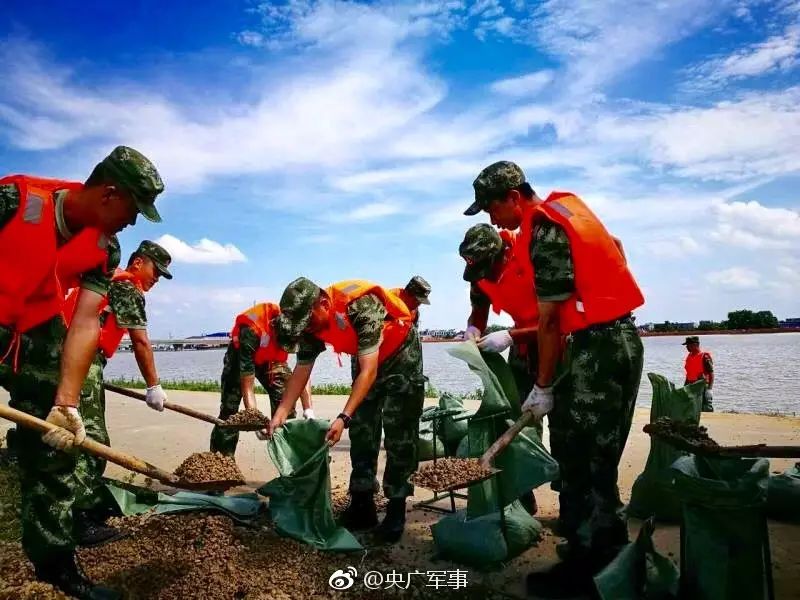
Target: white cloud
679,246
205,251
753,225
369,212
525,85
734,278
777,53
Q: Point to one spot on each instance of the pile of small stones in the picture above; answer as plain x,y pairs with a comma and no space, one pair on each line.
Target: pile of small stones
448,472
201,467
685,434
249,417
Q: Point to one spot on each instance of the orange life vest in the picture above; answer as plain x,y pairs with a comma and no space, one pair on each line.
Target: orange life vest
399,293
111,333
340,333
604,286
34,271
514,292
259,319
695,369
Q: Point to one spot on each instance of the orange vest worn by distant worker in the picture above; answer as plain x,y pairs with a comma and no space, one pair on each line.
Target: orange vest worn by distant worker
514,292
605,289
31,261
259,319
340,333
111,333
694,366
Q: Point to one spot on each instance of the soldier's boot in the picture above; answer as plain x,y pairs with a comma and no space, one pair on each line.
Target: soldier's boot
61,571
91,531
391,529
361,513
528,501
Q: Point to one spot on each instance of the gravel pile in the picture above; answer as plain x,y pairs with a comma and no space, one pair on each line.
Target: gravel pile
201,467
340,499
249,417
17,581
682,433
447,472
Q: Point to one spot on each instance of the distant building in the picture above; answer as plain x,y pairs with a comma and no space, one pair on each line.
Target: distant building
685,326
792,323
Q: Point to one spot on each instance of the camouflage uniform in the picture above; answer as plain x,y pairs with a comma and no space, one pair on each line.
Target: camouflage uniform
237,364
394,403
595,394
48,483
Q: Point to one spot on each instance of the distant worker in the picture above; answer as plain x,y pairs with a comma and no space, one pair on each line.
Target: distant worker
360,318
253,353
585,294
55,235
414,294
699,365
123,311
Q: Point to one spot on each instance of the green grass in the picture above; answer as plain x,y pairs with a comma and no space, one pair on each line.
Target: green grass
325,389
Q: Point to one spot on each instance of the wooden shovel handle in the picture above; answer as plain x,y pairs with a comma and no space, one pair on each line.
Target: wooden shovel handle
97,449
504,440
185,410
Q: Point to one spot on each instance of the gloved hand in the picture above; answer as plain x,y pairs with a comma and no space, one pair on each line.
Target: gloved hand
262,435
496,342
472,333
71,432
539,401
308,413
156,397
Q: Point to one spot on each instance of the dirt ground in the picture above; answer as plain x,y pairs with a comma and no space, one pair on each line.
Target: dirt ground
167,439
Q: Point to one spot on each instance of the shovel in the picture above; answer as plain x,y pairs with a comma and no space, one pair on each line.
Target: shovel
184,410
122,459
711,449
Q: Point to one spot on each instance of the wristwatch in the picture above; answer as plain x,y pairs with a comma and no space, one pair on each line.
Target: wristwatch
345,419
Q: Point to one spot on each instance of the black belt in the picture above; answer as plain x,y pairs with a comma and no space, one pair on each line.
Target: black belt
623,320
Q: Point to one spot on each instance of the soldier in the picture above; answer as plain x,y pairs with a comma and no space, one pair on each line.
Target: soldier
253,353
363,319
586,292
499,280
699,365
55,233
414,294
124,311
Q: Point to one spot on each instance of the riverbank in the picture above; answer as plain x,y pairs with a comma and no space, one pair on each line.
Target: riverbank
165,439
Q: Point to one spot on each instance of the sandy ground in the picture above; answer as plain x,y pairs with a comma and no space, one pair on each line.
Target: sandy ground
166,439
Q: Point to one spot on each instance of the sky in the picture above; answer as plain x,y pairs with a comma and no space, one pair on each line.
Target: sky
339,140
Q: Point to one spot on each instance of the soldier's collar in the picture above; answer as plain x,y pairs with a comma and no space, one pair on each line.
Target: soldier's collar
61,224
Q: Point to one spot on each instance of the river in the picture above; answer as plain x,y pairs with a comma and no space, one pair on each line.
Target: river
754,373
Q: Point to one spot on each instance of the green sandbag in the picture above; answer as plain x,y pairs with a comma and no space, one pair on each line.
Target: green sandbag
783,495
525,463
481,542
300,499
726,542
135,500
652,493
425,441
453,431
639,572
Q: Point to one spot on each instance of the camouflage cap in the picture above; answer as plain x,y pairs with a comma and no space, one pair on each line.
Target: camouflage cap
481,247
133,172
418,288
296,303
158,255
494,181
692,339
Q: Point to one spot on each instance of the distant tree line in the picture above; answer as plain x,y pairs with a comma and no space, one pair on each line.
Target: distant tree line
737,319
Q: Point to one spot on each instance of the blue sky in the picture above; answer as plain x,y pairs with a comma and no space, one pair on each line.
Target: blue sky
340,139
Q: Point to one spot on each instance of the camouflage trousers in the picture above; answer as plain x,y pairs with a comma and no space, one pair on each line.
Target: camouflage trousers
48,485
90,468
595,394
393,405
273,376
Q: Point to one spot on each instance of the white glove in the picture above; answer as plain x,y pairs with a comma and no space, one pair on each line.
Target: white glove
262,434
496,342
308,413
71,431
156,397
472,333
539,401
